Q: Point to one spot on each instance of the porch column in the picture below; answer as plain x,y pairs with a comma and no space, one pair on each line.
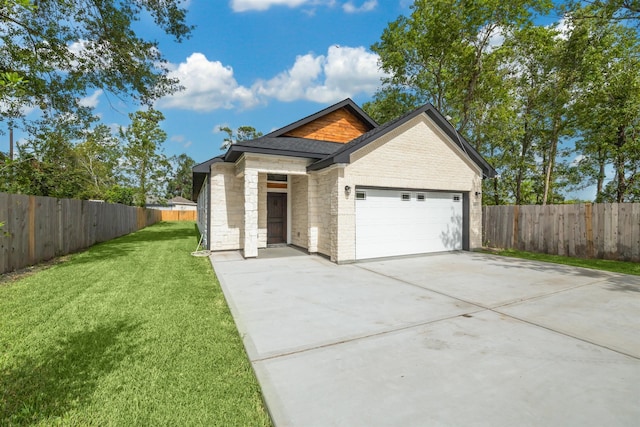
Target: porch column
250,213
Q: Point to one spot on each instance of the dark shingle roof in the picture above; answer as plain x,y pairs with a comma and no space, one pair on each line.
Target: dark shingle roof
284,146
344,153
326,153
199,173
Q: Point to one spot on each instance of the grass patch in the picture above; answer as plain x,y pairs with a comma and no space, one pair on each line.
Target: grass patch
134,331
597,264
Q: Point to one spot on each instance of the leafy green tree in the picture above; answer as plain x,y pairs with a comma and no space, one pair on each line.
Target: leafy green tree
47,163
613,11
180,182
607,105
243,133
392,102
59,51
442,51
98,157
145,164
120,194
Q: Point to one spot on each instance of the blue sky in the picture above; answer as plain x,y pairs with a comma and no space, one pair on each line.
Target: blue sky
262,63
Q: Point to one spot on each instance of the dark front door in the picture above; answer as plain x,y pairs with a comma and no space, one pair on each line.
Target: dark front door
276,218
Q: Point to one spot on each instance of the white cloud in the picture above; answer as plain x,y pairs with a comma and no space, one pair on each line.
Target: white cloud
293,83
260,5
92,100
343,72
209,85
367,6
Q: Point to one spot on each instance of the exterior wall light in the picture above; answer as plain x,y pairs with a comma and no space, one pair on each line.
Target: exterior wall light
347,190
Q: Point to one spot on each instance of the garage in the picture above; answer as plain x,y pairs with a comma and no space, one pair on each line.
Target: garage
393,222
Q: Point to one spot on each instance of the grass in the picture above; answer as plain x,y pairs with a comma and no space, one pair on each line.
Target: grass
134,331
597,264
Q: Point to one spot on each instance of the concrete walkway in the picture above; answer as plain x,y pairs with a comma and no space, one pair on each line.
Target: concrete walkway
442,340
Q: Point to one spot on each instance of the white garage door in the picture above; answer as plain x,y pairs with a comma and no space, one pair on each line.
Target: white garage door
397,222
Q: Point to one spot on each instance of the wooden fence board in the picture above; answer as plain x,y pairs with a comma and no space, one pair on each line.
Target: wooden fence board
39,228
635,232
5,243
606,230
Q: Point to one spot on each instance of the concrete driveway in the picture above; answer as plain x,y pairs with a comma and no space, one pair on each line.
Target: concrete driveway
443,340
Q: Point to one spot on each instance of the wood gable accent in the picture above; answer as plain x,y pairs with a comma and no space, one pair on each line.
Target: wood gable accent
337,126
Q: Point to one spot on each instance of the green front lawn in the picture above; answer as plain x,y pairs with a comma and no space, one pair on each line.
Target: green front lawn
598,264
134,331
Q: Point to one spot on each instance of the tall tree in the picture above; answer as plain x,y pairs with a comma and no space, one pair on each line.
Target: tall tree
180,181
243,133
47,164
440,53
146,165
98,157
59,51
608,105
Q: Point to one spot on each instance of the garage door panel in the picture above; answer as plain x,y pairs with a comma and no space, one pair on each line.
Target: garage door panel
386,225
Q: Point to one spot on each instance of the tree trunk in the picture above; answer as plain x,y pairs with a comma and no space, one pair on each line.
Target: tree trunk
621,188
551,160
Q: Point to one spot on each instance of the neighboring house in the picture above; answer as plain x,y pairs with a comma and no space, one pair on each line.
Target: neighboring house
175,204
339,184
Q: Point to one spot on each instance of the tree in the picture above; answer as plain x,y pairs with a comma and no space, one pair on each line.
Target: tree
47,164
58,51
119,194
243,133
180,181
98,157
146,165
613,11
390,103
608,105
442,52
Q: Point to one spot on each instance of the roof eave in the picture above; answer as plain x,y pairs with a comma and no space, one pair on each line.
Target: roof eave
433,114
235,151
346,103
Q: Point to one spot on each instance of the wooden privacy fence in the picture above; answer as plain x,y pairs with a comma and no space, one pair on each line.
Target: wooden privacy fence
178,215
604,230
39,228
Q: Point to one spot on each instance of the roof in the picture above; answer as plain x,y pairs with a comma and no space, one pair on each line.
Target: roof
179,200
344,153
283,146
326,153
200,172
347,103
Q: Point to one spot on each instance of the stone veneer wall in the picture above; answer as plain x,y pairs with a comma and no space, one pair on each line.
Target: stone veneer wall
227,208
435,163
323,211
262,210
299,194
203,213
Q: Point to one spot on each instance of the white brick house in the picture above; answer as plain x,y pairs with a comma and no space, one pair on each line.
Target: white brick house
339,184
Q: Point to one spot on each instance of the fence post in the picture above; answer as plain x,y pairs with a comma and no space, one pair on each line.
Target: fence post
588,219
516,226
32,229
